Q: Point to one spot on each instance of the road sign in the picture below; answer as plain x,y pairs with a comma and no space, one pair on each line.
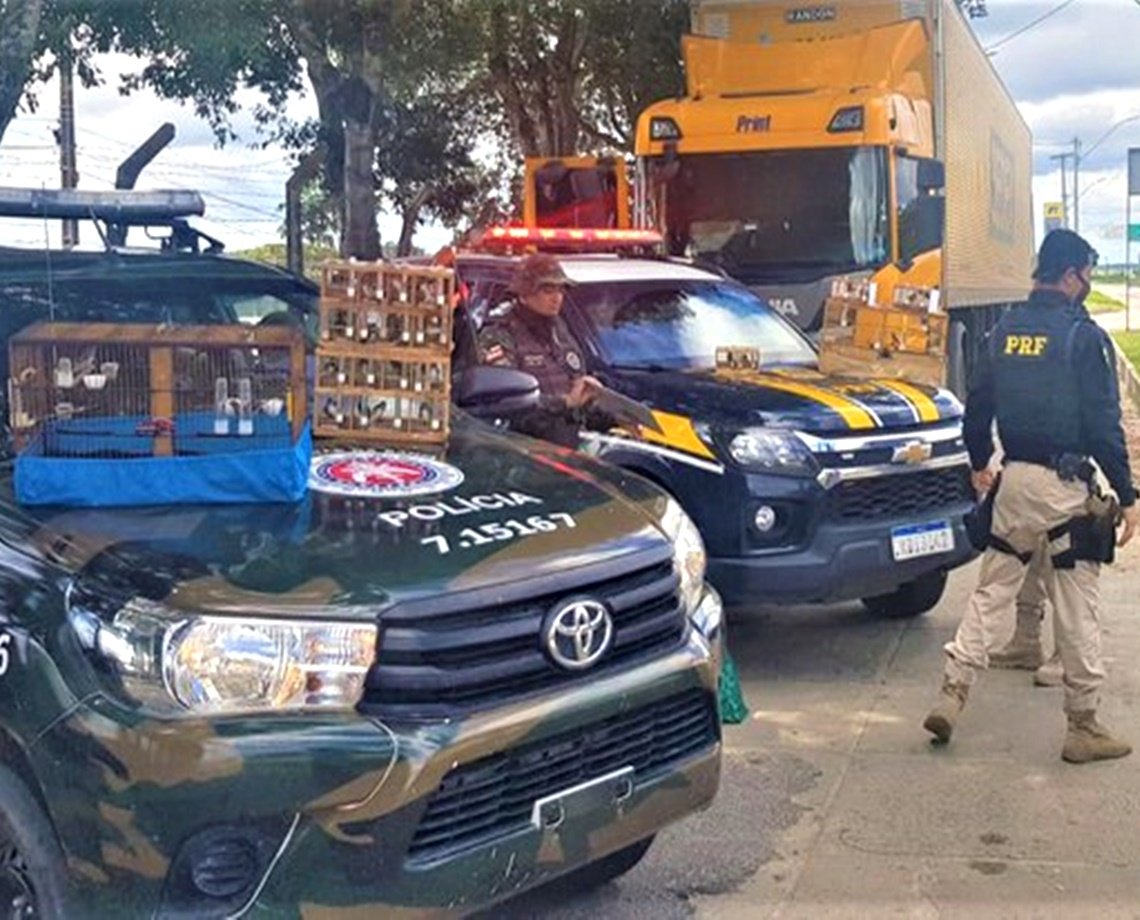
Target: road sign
1054,215
1134,170
1134,233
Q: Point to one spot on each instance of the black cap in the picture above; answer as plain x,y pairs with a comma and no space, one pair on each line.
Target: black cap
1062,250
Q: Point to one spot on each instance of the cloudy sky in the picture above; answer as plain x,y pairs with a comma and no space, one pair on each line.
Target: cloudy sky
1074,74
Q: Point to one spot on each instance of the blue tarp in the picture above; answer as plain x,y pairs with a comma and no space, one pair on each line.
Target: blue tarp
264,474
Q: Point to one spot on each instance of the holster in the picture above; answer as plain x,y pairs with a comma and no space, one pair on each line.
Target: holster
979,520
1094,535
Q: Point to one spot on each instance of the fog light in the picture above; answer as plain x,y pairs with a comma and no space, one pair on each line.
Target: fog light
765,518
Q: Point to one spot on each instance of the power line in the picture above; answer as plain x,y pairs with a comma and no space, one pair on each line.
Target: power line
238,204
1025,28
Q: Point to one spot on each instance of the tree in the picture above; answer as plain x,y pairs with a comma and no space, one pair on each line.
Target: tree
361,57
406,91
426,161
19,41
572,73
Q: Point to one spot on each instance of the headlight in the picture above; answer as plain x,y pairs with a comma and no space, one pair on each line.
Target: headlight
688,553
772,451
215,664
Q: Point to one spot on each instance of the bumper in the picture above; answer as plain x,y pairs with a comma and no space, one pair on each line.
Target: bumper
842,562
337,806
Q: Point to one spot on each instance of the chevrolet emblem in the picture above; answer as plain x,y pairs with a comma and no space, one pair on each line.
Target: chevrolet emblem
912,452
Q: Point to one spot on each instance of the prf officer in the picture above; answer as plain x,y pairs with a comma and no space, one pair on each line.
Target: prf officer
1048,382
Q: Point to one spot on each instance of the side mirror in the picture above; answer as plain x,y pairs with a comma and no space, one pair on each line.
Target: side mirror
931,175
483,390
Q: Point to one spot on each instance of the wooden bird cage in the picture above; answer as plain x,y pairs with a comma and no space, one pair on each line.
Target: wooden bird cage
109,390
384,358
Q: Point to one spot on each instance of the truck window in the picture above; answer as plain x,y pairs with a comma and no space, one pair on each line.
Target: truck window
918,215
782,213
680,325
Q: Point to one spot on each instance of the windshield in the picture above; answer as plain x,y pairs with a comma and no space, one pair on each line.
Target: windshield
673,324
782,214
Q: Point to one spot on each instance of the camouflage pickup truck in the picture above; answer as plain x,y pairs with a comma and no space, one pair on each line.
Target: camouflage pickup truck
431,684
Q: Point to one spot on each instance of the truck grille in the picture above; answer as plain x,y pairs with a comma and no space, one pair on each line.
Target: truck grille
901,495
437,662
492,797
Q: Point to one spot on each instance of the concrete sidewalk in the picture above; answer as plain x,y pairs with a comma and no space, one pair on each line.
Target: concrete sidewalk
994,825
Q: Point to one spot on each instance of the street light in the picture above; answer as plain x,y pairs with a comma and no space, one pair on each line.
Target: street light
1077,155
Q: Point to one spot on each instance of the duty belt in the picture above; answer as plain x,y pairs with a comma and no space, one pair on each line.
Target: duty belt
1069,466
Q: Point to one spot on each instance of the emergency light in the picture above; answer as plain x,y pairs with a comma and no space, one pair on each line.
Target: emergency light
592,239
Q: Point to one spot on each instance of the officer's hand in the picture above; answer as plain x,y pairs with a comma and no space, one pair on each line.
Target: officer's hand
581,392
1131,518
982,480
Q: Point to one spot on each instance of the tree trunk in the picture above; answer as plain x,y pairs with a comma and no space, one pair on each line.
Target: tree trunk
411,220
19,32
361,237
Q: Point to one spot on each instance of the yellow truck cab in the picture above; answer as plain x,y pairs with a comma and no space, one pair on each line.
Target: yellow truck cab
868,140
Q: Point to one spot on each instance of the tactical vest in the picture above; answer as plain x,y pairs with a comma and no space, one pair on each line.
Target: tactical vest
1036,387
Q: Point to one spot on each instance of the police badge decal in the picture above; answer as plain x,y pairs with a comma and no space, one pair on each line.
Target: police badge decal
373,474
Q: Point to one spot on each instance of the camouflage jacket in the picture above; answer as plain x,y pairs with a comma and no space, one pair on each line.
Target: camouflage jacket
515,337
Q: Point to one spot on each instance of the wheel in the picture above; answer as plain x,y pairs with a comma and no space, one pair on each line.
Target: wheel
909,600
605,870
31,861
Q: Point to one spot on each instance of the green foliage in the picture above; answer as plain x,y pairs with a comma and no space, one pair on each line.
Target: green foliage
574,74
1098,302
411,96
274,254
1129,343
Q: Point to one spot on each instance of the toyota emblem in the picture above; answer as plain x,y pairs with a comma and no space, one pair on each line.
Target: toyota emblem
578,633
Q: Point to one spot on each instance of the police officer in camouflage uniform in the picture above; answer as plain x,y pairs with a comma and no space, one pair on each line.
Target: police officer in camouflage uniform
529,334
1049,384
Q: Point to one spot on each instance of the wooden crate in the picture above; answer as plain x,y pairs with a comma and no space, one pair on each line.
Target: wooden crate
860,340
384,358
112,389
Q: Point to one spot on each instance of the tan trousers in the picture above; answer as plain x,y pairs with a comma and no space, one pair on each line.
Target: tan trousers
1038,583
1032,501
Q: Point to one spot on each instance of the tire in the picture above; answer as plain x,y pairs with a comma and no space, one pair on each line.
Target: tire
910,600
32,873
605,870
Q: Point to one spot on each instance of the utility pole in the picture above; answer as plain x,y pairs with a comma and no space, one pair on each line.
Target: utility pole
1077,184
1063,157
68,171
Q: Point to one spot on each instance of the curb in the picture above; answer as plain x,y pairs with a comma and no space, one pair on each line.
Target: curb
1127,375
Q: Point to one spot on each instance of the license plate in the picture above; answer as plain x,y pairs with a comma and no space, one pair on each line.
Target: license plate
917,540
605,792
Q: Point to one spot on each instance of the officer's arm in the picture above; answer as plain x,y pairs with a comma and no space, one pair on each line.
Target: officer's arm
1100,412
977,425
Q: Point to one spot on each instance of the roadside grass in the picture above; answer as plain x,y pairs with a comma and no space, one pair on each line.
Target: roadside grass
1098,302
1129,343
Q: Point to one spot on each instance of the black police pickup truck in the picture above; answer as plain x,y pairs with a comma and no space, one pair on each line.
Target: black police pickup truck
805,488
431,683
